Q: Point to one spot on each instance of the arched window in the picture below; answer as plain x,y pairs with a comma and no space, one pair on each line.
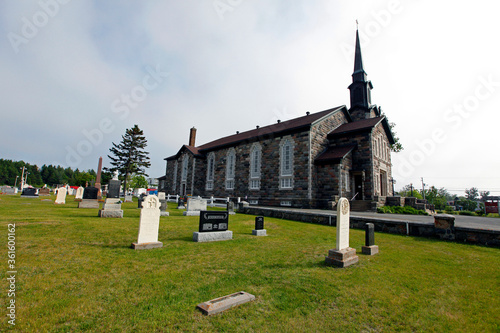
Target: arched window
230,166
286,163
185,162
255,163
174,185
210,171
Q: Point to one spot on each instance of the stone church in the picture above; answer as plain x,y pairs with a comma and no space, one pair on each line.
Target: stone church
304,162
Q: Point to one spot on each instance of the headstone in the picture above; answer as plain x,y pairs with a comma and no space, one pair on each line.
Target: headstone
163,205
195,206
343,255
29,192
213,227
161,196
9,190
230,207
128,198
89,199
90,192
259,227
370,248
140,199
114,189
44,191
180,204
149,225
79,193
61,196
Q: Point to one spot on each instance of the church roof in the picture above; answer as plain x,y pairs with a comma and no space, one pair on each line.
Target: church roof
334,153
361,126
270,131
191,149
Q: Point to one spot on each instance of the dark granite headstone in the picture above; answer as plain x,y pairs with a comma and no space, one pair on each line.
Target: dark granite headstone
213,221
114,189
44,191
29,192
140,200
90,193
369,234
259,222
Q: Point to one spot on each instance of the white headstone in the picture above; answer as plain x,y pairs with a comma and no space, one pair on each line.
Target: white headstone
61,196
194,206
342,224
150,220
79,193
161,195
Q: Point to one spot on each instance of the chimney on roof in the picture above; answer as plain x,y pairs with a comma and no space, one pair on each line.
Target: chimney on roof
237,132
257,126
307,113
279,121
192,136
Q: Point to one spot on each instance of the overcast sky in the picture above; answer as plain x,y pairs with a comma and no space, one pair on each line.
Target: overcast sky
76,74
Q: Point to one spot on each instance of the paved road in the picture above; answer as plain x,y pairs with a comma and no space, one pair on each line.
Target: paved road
474,222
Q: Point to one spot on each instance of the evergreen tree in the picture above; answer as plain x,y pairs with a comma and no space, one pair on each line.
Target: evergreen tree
128,157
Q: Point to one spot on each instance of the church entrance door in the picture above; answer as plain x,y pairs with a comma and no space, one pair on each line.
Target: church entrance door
358,187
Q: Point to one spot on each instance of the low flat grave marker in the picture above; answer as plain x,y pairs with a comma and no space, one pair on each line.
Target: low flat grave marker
370,248
61,196
225,302
213,227
259,227
148,225
343,255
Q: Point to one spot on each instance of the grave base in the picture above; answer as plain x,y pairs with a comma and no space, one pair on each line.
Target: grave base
261,232
181,207
226,302
191,213
88,203
30,196
111,213
212,236
164,214
342,258
369,250
146,246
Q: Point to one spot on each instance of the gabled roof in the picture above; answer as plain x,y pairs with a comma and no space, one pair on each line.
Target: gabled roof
362,126
334,154
270,131
191,149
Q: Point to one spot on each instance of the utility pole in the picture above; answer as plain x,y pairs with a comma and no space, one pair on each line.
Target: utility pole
411,189
423,187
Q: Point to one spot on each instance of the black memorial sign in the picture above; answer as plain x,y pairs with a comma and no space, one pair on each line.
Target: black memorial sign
213,221
90,193
259,222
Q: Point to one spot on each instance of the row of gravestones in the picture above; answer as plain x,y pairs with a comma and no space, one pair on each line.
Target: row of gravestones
196,205
213,225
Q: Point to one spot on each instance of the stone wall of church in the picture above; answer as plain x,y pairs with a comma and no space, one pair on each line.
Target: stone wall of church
361,157
269,192
381,162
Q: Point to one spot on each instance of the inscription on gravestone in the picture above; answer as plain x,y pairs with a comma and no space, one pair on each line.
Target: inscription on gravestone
259,222
213,221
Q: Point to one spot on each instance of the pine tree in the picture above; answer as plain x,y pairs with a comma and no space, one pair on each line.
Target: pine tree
129,156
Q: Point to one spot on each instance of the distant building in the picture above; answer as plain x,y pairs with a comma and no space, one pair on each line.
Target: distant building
304,162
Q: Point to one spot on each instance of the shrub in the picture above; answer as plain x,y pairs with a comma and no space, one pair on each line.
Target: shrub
466,212
400,210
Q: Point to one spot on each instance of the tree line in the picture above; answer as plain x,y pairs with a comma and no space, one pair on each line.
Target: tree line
11,171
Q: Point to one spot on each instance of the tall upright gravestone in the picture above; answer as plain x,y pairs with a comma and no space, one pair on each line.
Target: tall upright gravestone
61,196
149,225
79,193
112,207
343,255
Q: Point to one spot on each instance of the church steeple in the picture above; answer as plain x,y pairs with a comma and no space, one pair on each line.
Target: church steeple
360,88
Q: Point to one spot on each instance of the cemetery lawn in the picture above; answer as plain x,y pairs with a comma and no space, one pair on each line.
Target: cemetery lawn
77,272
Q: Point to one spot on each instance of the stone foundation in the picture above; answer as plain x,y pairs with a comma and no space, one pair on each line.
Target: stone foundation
212,236
146,246
261,232
342,258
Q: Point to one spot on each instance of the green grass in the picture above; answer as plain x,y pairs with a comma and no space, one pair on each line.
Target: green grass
76,272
